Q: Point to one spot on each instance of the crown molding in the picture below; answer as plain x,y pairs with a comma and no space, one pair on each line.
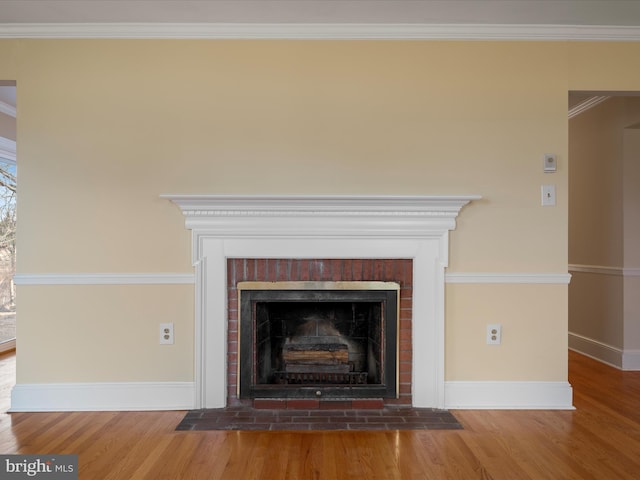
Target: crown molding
7,109
321,31
586,105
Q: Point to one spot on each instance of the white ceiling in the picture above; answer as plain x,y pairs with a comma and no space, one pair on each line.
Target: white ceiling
535,12
513,12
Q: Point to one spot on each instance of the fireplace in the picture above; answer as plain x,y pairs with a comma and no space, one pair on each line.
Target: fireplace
318,339
345,229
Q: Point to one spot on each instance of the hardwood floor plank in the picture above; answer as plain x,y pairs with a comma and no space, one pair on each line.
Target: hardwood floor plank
599,440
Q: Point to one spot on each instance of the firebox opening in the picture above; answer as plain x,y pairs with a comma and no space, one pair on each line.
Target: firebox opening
309,343
319,343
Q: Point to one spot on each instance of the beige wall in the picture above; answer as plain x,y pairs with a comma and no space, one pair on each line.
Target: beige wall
604,233
631,186
97,333
595,219
107,126
534,325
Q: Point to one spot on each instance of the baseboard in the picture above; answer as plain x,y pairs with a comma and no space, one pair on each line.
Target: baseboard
595,349
508,395
56,397
631,360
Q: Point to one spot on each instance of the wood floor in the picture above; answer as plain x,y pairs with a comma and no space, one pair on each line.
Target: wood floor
600,440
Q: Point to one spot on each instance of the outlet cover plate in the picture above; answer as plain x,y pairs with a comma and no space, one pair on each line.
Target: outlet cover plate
166,334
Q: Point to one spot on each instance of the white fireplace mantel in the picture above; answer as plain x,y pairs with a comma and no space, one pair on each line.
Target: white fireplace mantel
319,226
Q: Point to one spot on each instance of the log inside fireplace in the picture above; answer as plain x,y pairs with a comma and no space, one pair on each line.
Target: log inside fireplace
318,339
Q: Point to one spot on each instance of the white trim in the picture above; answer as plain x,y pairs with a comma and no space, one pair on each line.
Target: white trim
188,278
509,395
7,109
601,270
319,227
7,150
602,352
445,206
622,359
631,360
53,397
596,269
103,278
321,31
586,105
514,278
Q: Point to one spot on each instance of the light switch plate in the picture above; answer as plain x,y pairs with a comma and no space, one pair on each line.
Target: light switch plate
548,195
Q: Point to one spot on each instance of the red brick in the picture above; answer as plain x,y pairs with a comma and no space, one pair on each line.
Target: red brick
405,323
326,273
367,270
405,377
357,268
240,267
405,388
232,306
390,270
316,271
406,303
282,268
397,272
250,270
408,273
303,404
337,267
269,404
336,404
232,328
325,270
271,270
347,270
304,271
367,403
231,274
260,269
378,270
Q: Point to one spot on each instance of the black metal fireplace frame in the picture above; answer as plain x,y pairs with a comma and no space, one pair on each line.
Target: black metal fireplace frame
250,293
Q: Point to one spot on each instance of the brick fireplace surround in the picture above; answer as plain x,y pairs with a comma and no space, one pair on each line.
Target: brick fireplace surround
320,270
326,234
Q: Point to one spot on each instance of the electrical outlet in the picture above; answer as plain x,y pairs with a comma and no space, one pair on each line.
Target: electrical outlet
494,334
166,334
